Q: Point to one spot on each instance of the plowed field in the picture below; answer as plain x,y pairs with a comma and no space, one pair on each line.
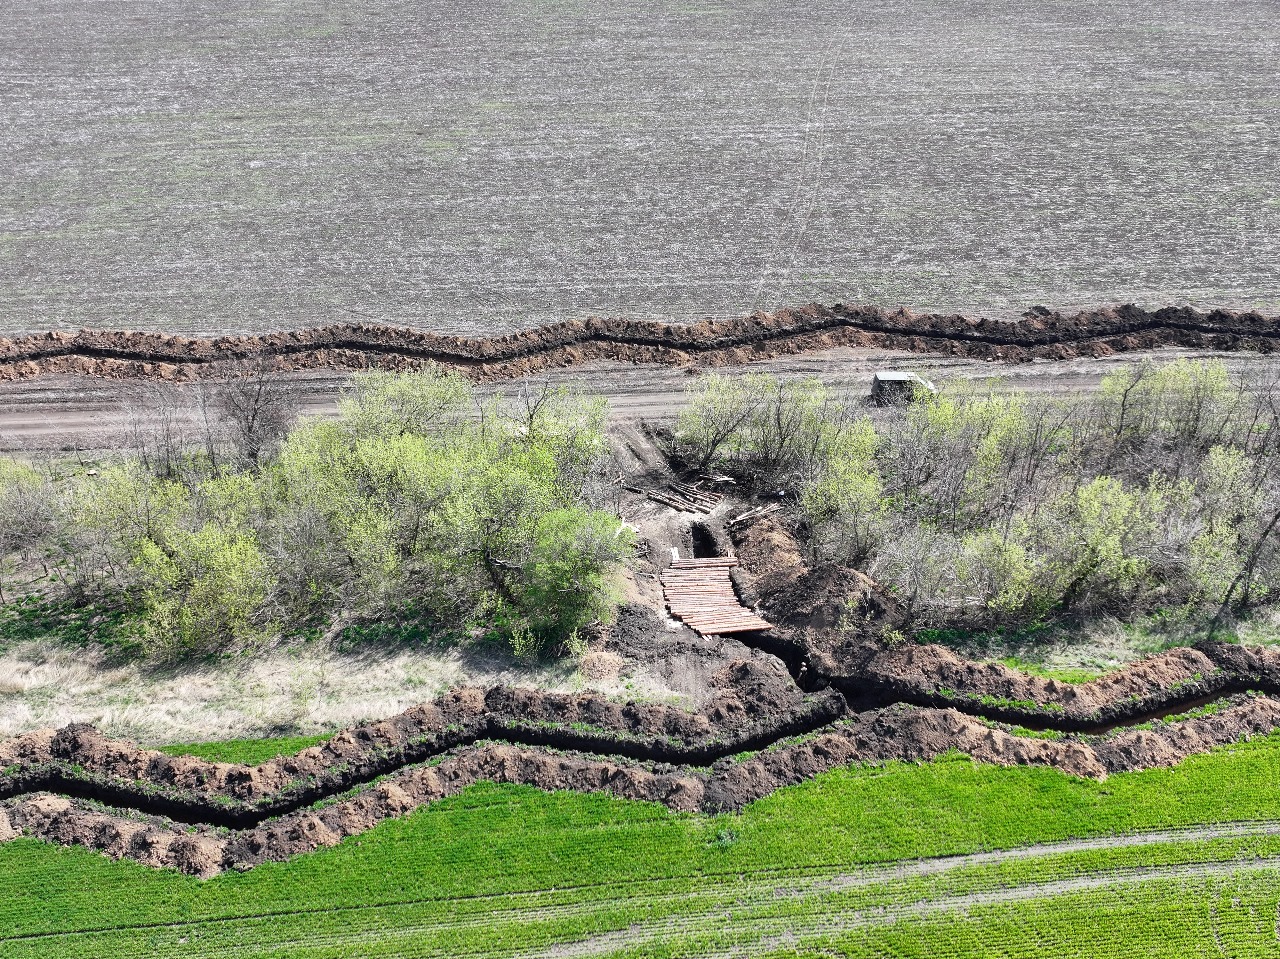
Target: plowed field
480,166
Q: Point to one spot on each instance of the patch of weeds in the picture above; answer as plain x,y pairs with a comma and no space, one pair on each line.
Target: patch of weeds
1036,734
1090,647
1030,705
999,702
1208,709
249,752
525,644
410,628
724,838
1064,674
1022,732
116,627
999,637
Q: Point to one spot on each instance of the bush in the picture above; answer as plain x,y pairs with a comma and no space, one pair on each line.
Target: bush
414,498
709,428
202,592
1156,492
25,513
845,504
768,431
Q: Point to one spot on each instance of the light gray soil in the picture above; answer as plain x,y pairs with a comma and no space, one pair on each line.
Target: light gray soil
473,166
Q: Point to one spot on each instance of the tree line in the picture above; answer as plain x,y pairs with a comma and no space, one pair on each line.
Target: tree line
982,505
232,522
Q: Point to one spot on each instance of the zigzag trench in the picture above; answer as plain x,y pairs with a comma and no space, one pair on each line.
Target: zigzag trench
1041,334
75,786
864,703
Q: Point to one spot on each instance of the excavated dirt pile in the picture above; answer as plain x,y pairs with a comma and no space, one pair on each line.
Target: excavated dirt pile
901,733
914,734
770,558
845,631
873,698
753,706
1041,334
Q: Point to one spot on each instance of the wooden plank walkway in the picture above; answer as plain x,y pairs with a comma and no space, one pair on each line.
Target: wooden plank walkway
700,594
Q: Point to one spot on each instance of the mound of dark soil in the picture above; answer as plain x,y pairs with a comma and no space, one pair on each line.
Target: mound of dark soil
752,703
685,661
832,598
868,671
1042,334
770,558
844,630
913,734
901,733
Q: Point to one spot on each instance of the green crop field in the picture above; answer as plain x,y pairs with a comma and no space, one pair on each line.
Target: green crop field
1173,862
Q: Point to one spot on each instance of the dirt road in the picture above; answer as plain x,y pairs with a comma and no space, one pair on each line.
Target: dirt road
67,413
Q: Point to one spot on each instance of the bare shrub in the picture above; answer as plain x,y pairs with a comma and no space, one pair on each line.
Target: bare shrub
163,423
257,409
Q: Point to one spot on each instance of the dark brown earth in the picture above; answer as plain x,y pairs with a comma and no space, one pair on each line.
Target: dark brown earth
841,629
76,786
751,705
1041,334
899,733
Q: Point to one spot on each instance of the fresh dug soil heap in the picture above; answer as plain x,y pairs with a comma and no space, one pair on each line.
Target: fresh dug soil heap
899,733
1040,335
860,665
915,734
753,705
642,640
839,628
770,558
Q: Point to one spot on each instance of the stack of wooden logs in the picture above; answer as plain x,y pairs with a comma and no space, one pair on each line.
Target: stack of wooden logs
700,594
687,499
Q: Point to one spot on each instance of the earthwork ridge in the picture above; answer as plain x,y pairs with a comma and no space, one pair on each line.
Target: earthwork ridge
757,733
1040,334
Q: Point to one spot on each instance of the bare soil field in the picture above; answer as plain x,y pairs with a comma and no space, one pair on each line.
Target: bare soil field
482,167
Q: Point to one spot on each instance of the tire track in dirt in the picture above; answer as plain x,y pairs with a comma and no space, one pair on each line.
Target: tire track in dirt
770,933
737,887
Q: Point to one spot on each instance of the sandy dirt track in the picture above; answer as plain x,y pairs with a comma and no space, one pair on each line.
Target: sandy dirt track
89,413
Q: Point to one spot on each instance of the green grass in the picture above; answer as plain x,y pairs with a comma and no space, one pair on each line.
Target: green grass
36,618
1228,916
1065,674
501,869
247,751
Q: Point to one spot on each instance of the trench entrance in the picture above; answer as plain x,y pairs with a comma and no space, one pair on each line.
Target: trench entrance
704,542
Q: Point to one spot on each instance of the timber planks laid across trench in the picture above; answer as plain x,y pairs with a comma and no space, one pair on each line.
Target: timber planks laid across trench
700,594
